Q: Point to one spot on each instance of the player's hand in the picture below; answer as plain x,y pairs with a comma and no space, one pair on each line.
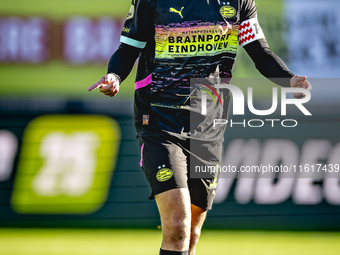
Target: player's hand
300,82
108,84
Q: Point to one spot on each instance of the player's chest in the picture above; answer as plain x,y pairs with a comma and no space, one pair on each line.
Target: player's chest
184,11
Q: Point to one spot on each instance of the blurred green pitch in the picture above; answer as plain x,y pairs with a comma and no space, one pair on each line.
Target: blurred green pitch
147,242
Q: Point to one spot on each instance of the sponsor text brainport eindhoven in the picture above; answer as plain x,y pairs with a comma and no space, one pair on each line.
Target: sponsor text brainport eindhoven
220,42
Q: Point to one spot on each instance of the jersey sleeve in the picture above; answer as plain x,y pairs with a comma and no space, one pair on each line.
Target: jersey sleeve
250,29
138,28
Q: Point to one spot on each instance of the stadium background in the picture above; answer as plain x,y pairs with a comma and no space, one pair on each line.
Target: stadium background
69,176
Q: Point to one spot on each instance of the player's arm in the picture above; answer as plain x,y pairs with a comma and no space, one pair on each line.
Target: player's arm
268,64
251,37
119,67
273,68
137,31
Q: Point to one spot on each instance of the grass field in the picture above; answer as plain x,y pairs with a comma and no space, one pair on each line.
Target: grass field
146,242
58,9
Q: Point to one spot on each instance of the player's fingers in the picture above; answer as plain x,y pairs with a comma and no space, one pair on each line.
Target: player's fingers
107,92
97,84
110,78
113,93
299,95
115,86
297,81
300,78
308,85
305,85
114,90
107,78
106,87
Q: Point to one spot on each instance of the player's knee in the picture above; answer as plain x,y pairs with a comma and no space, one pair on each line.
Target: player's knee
195,234
179,230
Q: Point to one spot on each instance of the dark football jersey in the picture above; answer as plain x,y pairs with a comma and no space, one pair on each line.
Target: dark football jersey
182,40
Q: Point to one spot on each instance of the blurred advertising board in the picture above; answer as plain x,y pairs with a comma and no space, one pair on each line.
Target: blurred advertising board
65,164
76,164
76,40
318,53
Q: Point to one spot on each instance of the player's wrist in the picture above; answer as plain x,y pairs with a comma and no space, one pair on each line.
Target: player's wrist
117,77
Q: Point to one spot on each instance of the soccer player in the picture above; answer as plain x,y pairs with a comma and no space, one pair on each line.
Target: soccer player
175,42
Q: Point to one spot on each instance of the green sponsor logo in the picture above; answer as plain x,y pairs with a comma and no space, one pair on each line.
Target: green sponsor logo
164,174
66,164
228,11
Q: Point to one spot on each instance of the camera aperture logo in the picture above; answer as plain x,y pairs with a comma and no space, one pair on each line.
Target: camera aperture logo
204,97
239,105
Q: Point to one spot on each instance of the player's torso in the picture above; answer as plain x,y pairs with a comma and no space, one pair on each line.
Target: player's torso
191,39
195,30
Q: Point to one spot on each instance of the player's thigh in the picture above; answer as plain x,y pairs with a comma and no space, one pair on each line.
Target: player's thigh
202,184
164,164
174,207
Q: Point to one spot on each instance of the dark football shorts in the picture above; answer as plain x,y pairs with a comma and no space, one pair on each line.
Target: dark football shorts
166,161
